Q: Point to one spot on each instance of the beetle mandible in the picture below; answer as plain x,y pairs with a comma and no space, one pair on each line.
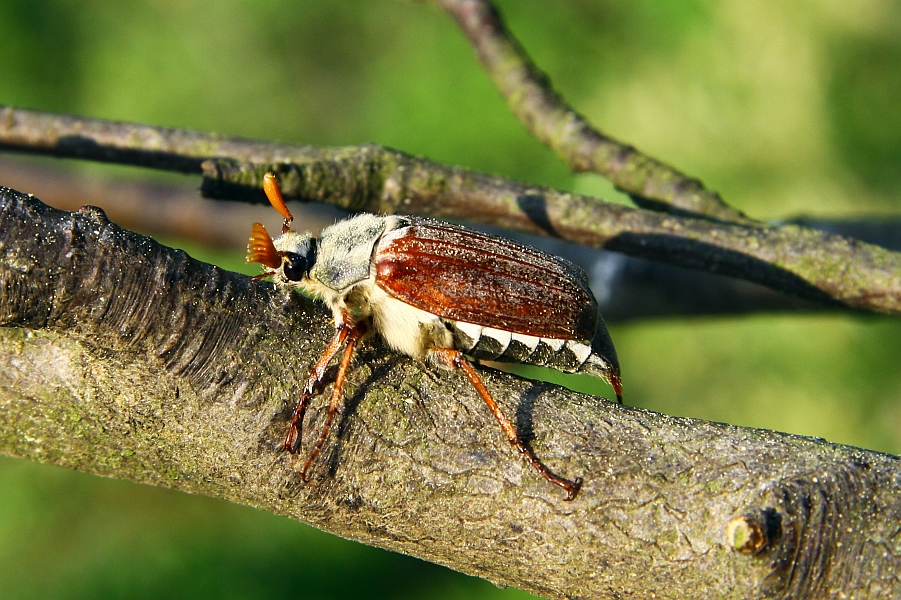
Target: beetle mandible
437,292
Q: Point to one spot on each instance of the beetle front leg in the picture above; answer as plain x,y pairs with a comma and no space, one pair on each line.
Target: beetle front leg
455,358
293,436
353,336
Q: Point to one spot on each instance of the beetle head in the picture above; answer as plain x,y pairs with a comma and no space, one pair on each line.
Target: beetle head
289,257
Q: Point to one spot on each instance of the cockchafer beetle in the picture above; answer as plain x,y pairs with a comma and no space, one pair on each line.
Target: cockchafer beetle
437,292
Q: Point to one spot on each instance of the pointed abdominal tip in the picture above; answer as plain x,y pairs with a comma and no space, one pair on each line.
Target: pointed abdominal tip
260,248
617,384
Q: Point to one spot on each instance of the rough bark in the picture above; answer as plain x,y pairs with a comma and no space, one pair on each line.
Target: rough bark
128,359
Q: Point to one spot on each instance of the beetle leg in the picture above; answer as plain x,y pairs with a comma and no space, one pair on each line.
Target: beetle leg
353,336
455,358
292,438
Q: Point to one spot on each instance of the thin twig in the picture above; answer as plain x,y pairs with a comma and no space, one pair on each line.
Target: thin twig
547,116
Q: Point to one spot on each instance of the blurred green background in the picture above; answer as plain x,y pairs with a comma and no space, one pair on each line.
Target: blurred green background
786,108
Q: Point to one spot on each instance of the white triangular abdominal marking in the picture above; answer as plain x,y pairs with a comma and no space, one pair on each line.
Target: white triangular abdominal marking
529,341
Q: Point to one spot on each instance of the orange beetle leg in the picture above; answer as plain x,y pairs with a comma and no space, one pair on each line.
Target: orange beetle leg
455,358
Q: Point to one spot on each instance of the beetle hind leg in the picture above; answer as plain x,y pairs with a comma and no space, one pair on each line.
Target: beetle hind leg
454,358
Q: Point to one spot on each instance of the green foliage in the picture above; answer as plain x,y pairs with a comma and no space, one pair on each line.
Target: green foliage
783,107
863,100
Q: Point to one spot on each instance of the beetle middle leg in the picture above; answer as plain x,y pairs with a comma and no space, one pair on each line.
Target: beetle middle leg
454,358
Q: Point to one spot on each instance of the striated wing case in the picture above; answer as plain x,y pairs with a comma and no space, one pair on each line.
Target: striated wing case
464,275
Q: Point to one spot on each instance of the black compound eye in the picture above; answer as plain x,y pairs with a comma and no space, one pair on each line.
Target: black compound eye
296,266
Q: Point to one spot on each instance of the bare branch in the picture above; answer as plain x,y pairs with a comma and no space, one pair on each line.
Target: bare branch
125,358
626,288
170,209
812,265
547,116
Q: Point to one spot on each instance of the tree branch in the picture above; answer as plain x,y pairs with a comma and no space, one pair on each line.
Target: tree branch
125,358
547,116
626,288
813,265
